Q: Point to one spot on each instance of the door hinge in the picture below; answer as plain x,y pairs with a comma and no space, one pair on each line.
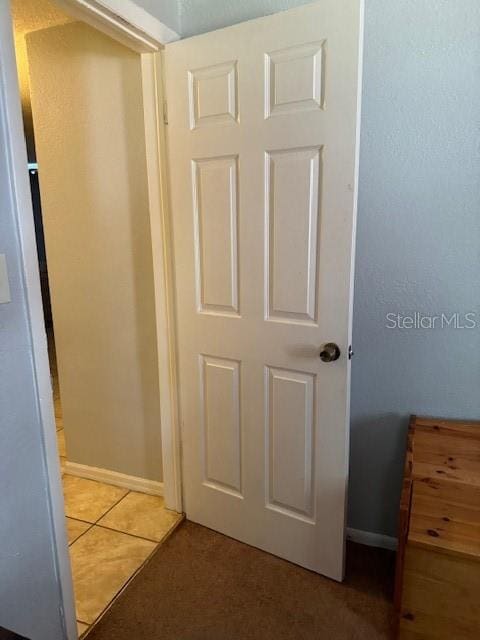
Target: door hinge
165,112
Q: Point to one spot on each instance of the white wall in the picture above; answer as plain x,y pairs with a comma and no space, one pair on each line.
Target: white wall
88,116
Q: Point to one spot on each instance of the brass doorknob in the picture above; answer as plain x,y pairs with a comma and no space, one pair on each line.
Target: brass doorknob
329,352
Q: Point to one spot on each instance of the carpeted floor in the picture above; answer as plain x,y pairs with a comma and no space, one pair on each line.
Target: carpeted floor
201,585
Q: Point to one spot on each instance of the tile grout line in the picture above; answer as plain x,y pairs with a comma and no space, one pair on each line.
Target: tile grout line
98,524
79,520
156,543
82,534
123,587
93,524
134,535
113,505
135,573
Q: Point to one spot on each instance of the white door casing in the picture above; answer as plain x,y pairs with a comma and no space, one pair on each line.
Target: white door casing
263,154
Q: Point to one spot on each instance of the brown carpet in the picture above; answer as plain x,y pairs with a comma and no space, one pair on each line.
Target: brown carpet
201,585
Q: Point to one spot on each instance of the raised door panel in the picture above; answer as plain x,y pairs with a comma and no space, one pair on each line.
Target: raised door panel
295,79
292,194
213,95
290,433
216,220
221,424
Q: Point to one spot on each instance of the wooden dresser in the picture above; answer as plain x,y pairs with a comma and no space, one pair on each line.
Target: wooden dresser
437,588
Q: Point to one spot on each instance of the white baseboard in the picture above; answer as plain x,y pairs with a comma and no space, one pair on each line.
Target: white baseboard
372,539
134,483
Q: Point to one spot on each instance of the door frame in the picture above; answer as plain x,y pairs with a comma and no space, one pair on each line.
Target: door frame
163,275
135,28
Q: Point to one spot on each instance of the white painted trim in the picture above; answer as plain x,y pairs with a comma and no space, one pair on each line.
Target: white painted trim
371,539
352,258
11,119
134,483
124,21
162,242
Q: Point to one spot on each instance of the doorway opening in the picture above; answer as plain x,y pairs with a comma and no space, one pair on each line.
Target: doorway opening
82,99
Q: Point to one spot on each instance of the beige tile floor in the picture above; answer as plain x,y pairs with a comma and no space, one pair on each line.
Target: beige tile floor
111,536
111,532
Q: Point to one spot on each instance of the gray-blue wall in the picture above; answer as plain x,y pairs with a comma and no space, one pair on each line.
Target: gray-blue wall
418,244
29,589
418,226
198,16
168,11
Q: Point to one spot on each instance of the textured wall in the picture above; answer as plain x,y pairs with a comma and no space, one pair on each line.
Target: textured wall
418,236
92,169
418,227
31,15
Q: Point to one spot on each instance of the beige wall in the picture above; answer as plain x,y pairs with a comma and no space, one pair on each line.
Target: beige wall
27,16
88,116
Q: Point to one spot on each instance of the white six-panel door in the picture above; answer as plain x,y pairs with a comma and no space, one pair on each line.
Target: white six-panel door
262,135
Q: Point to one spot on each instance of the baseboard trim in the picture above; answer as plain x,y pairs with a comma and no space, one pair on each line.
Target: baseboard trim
372,539
155,488
134,483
